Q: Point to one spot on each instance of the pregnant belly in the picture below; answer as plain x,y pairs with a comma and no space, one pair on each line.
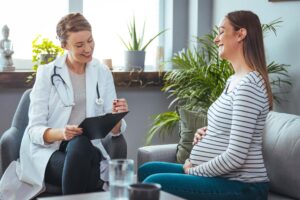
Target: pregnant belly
206,150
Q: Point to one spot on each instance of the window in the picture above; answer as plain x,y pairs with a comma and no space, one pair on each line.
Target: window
27,19
109,20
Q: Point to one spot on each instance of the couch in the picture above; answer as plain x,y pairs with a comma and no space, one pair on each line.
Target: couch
10,142
281,150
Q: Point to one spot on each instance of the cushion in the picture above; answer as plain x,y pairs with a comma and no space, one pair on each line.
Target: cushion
281,150
190,121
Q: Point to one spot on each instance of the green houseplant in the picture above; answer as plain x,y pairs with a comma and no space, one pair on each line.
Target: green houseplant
135,54
199,78
43,52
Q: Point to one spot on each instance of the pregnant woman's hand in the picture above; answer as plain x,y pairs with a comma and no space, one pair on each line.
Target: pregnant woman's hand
200,133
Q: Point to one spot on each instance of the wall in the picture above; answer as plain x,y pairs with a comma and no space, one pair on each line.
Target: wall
283,48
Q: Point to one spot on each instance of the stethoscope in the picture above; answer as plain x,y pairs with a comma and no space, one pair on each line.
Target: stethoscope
56,79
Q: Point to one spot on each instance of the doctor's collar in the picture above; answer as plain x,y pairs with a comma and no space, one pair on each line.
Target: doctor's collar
60,61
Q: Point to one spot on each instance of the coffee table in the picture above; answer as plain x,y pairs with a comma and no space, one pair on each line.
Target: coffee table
104,196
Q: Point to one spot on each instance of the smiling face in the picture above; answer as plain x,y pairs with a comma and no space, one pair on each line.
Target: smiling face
80,46
228,40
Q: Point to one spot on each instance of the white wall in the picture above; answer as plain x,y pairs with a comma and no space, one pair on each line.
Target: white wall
285,48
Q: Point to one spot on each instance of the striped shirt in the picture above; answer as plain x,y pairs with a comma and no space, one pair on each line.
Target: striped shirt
232,147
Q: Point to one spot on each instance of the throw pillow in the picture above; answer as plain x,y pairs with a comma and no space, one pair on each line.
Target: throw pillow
190,121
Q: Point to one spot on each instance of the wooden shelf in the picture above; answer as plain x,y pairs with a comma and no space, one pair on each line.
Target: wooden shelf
17,79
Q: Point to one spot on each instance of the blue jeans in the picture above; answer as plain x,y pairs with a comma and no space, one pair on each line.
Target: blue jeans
173,180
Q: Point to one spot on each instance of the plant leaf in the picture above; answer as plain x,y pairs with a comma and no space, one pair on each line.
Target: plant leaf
136,42
161,32
163,122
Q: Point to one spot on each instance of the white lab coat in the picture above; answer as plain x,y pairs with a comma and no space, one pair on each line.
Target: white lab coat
24,178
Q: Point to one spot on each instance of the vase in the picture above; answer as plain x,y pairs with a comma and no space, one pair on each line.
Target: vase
134,60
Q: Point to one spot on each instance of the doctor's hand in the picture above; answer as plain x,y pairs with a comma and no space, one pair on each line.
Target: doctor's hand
119,105
59,134
71,131
200,133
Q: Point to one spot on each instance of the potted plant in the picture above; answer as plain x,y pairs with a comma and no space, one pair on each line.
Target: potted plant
43,52
196,82
135,54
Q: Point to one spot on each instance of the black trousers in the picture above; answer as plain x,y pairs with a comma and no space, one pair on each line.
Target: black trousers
75,166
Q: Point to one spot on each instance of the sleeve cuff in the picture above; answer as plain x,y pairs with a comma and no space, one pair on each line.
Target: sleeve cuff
36,135
122,129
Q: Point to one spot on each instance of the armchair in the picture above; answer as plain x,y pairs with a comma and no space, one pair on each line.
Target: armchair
10,141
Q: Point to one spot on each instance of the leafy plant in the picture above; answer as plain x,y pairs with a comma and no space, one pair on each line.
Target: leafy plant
136,41
199,78
44,46
43,52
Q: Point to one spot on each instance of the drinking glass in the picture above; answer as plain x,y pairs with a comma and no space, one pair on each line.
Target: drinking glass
120,177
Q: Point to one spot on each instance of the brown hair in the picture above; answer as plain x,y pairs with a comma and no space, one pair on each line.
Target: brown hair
73,22
253,48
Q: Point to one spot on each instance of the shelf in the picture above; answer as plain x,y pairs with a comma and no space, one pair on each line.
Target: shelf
137,78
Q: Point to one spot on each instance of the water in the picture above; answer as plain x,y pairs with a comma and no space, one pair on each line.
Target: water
120,177
118,190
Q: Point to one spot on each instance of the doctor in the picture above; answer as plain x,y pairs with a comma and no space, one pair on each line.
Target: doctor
53,149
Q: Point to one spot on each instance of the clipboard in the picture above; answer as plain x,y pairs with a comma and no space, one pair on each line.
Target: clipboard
98,127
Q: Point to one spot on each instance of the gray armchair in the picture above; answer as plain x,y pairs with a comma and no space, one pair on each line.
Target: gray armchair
10,141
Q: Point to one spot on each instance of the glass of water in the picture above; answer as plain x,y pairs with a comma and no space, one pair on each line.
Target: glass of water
120,177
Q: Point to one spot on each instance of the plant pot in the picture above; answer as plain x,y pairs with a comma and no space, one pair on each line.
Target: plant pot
134,60
46,58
